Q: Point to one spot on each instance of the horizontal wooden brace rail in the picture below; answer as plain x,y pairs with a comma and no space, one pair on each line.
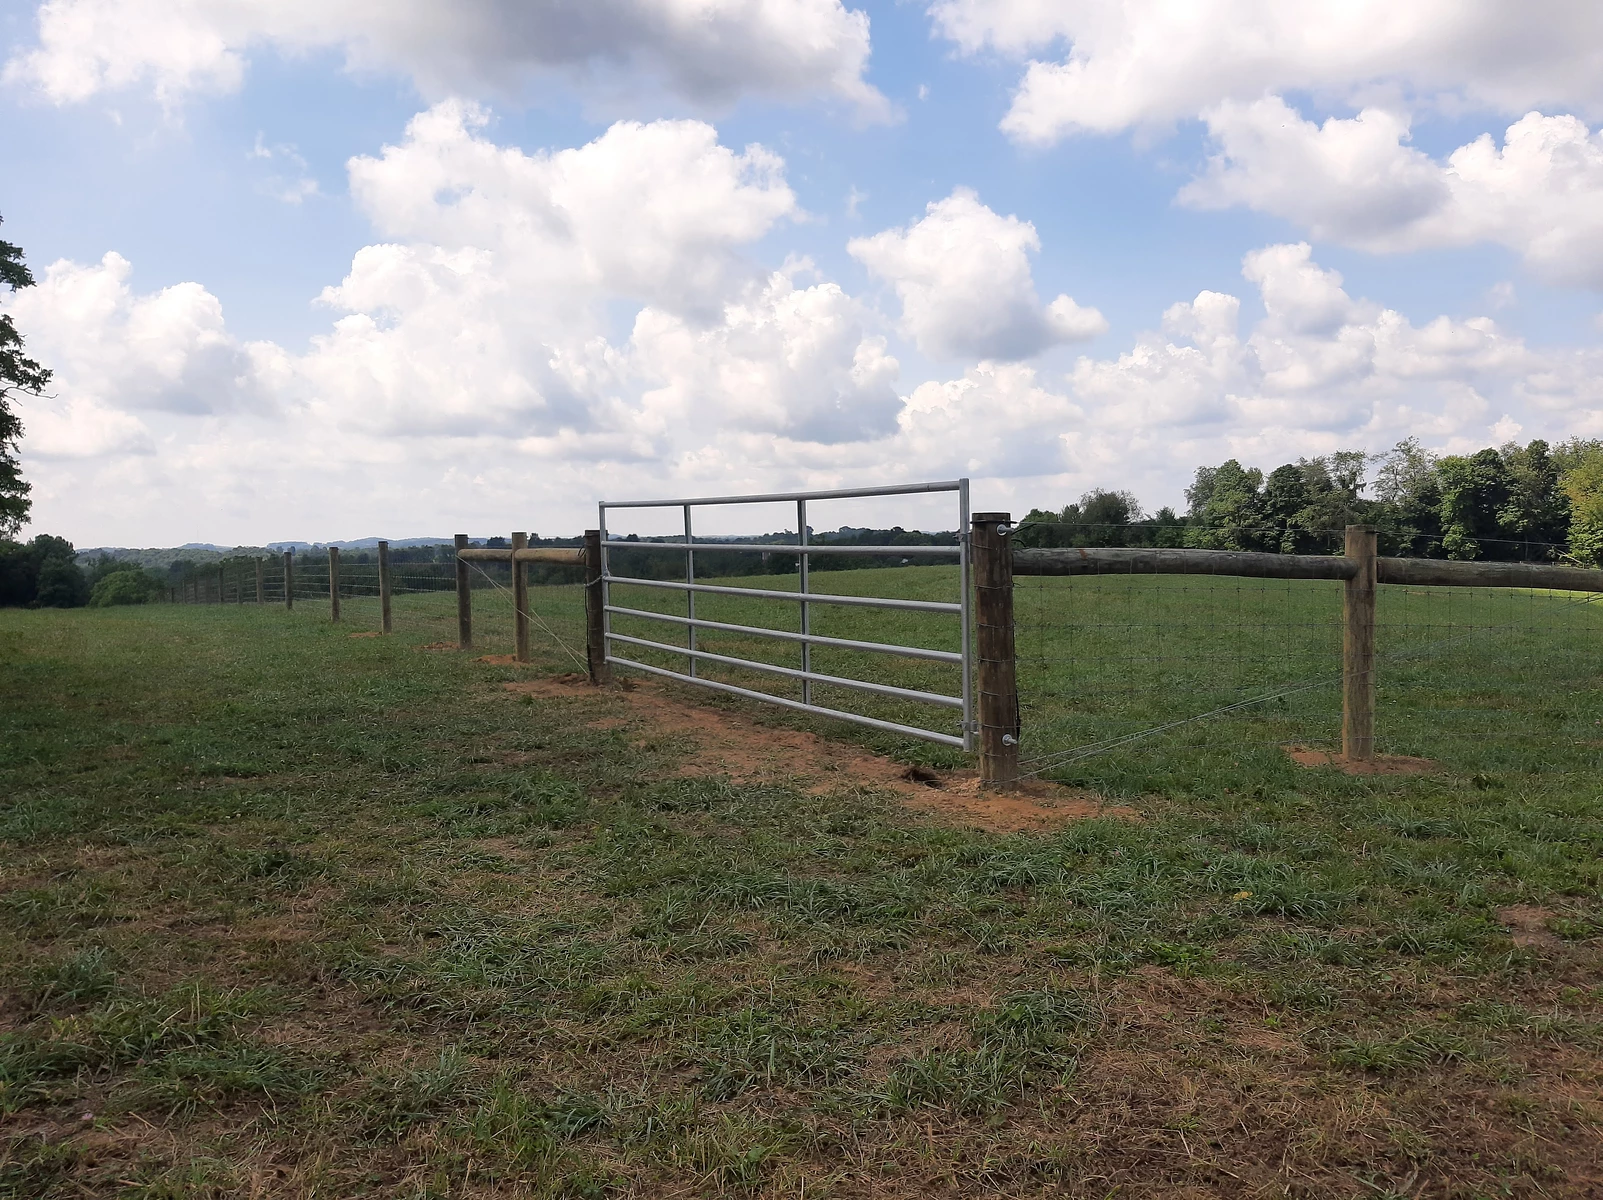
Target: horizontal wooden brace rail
1433,572
1104,560
572,556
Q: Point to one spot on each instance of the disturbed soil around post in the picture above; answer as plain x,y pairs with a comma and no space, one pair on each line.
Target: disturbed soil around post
289,913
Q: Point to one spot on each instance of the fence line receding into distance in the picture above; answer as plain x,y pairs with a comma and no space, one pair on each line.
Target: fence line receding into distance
989,695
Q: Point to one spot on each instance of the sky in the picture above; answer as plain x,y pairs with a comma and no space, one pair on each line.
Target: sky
337,269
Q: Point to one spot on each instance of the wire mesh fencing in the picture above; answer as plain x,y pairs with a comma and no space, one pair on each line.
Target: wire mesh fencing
1490,679
1125,677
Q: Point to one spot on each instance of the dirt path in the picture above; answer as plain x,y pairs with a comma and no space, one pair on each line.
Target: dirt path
720,743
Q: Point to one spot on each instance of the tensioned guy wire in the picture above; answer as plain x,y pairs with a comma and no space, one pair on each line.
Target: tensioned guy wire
536,618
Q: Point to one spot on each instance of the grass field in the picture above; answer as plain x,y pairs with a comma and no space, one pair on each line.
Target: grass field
287,912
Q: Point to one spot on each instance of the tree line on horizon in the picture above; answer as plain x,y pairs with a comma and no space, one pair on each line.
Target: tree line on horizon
1531,503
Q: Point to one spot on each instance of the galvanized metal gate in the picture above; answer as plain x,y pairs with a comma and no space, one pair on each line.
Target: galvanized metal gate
806,598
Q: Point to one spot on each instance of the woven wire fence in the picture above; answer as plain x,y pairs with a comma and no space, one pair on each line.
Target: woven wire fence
1128,679
423,598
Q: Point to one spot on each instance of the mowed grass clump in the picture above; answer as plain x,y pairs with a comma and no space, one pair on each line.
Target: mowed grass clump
287,911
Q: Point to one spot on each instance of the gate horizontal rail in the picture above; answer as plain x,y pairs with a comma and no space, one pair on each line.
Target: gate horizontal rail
803,597
789,548
804,551
882,689
785,635
895,489
783,702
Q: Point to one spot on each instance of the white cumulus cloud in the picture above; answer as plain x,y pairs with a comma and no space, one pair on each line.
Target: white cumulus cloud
706,50
538,329
1358,181
167,351
657,211
1128,63
963,276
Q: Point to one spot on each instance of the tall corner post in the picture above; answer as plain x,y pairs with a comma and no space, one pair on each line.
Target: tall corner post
261,592
1358,649
239,584
384,587
992,569
464,597
520,600
334,583
595,616
289,579
222,584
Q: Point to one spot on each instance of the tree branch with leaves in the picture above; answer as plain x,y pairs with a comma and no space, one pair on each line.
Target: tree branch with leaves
19,376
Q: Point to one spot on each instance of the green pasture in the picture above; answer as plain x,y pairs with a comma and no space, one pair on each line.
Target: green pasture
287,912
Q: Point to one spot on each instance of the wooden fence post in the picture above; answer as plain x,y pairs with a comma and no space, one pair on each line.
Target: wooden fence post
384,586
520,600
595,619
260,591
222,585
464,598
289,579
992,566
334,583
1358,649
239,584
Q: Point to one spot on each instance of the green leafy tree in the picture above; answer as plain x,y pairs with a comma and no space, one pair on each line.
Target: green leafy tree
1537,511
19,375
1226,508
1285,500
1408,501
128,586
1475,489
44,573
1581,479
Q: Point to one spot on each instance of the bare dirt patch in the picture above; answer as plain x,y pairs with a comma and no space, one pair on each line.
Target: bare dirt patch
374,633
1527,924
1381,764
718,743
956,797
438,646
